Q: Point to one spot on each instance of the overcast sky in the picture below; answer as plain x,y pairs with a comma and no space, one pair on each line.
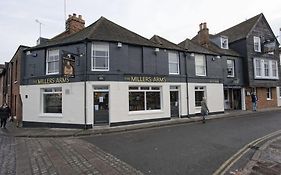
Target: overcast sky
174,20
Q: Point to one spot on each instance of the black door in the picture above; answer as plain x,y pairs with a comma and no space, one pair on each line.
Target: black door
174,103
101,108
237,99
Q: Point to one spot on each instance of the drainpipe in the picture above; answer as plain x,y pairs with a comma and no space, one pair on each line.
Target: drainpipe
187,84
85,86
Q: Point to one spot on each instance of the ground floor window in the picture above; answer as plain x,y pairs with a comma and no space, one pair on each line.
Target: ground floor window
144,98
200,92
269,94
52,100
280,92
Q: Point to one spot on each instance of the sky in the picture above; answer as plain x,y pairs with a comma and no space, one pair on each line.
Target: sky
174,20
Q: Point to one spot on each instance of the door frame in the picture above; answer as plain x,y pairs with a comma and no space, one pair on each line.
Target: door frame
93,102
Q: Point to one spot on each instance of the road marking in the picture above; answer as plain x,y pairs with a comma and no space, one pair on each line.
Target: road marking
227,164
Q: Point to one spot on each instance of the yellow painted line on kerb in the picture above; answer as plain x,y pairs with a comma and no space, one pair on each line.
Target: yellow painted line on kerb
227,164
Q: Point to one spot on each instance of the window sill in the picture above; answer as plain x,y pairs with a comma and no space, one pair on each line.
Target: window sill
145,112
55,73
201,75
100,70
51,115
269,99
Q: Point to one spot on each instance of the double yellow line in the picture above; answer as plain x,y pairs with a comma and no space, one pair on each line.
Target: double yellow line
229,163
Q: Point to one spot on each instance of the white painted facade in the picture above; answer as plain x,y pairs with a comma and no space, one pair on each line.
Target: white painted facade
214,95
278,96
73,102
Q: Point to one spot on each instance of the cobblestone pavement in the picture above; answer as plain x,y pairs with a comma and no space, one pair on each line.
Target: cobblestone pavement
57,156
266,160
7,155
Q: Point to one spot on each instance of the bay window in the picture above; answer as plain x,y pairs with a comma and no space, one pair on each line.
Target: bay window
265,69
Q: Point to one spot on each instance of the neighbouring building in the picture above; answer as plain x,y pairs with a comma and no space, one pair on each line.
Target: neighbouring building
2,80
257,46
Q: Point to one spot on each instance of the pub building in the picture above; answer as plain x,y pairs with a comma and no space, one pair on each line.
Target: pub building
117,77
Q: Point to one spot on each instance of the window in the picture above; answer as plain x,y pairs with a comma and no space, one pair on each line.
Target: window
257,44
269,94
230,68
200,65
279,91
173,63
52,62
144,98
224,42
100,57
265,69
52,100
199,94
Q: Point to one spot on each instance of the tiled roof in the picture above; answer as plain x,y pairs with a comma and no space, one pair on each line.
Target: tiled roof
194,47
240,30
162,42
102,30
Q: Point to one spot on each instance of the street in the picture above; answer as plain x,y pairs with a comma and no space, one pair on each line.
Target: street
194,148
191,148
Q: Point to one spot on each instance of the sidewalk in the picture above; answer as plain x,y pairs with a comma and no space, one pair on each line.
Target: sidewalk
63,132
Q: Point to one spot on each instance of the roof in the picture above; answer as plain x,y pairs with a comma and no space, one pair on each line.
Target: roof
162,42
240,30
194,47
20,48
101,30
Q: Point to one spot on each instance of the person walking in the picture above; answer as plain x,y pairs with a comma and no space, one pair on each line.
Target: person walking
204,109
5,113
254,101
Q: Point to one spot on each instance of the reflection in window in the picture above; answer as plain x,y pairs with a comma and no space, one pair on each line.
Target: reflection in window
52,100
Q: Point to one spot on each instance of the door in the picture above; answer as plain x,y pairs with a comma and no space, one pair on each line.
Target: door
237,99
174,103
101,108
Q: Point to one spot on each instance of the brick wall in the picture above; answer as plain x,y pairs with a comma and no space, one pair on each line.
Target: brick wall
262,99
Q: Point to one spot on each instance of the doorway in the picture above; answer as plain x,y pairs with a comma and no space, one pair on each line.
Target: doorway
174,102
101,107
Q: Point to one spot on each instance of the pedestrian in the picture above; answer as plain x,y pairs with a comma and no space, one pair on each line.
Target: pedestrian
254,101
5,113
204,109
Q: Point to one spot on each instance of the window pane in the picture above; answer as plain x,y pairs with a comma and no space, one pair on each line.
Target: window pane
230,68
198,98
144,88
101,53
200,65
266,68
173,68
52,103
136,101
258,67
153,100
101,62
274,70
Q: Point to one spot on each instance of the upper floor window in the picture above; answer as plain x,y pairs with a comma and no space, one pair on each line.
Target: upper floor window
265,69
257,44
173,63
100,57
52,62
200,65
230,68
224,42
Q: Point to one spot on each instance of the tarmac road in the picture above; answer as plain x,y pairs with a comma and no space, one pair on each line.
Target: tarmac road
192,148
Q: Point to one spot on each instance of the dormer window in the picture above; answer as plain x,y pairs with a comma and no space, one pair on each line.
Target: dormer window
224,42
257,44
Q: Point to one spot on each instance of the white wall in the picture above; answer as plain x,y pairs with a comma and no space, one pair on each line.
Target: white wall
278,96
215,100
72,104
119,101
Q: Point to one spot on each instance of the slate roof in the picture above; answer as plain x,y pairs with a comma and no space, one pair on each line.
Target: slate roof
240,30
164,43
101,30
191,46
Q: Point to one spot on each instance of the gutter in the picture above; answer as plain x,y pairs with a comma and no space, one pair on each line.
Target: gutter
85,86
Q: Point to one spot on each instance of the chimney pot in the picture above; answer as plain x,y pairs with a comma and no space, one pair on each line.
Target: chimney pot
69,16
80,16
204,25
74,14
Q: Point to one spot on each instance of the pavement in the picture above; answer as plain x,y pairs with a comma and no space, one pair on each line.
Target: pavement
43,149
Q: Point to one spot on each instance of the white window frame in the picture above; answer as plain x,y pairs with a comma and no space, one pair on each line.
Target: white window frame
257,42
233,67
175,55
197,89
146,89
279,91
224,40
263,62
269,93
197,57
54,90
99,46
52,53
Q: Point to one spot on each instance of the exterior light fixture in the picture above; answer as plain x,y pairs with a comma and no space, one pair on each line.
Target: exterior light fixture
119,44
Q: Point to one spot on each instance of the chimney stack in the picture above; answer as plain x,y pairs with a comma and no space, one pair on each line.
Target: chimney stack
74,24
203,35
